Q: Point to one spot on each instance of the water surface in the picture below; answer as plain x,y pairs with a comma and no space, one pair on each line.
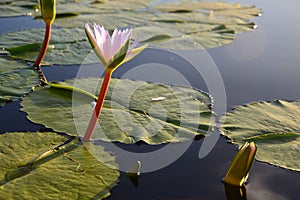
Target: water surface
259,65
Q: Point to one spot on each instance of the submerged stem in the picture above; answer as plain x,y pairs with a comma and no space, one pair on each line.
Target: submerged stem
43,52
95,116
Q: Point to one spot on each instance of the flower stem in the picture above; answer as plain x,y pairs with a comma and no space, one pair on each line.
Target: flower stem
95,116
43,52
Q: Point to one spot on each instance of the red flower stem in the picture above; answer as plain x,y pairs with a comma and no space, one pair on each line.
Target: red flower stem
96,114
43,52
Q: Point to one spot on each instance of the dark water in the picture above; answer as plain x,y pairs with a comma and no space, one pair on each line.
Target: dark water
259,65
263,64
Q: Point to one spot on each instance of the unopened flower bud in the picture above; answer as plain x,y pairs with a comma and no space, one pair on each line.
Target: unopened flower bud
238,171
48,9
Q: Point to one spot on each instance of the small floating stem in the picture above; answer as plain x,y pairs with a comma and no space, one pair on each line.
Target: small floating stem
96,114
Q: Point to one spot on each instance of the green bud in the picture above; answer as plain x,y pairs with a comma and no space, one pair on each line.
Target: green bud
239,168
48,9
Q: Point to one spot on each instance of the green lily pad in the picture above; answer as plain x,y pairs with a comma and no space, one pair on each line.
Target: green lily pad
273,126
132,111
31,7
67,46
157,36
16,79
32,168
198,24
10,8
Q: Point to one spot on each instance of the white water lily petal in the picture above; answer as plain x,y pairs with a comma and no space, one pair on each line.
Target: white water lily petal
120,37
94,44
104,41
116,40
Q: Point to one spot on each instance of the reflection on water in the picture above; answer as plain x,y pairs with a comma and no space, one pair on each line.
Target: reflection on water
234,192
263,64
18,23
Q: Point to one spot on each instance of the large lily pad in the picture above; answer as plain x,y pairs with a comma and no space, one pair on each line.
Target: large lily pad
31,168
67,46
198,24
131,111
16,79
273,126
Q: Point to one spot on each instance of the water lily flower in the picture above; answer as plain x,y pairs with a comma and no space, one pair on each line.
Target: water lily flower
48,10
112,50
239,168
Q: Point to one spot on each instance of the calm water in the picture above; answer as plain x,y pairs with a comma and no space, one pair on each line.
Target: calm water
259,65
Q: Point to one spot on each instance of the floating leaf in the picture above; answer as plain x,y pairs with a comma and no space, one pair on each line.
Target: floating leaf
31,168
31,7
67,46
214,36
273,126
129,114
211,12
16,79
198,24
10,8
108,20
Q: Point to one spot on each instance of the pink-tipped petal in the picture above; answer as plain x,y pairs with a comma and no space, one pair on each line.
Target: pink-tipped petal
119,37
107,45
123,36
94,44
103,41
90,33
116,41
129,33
97,33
